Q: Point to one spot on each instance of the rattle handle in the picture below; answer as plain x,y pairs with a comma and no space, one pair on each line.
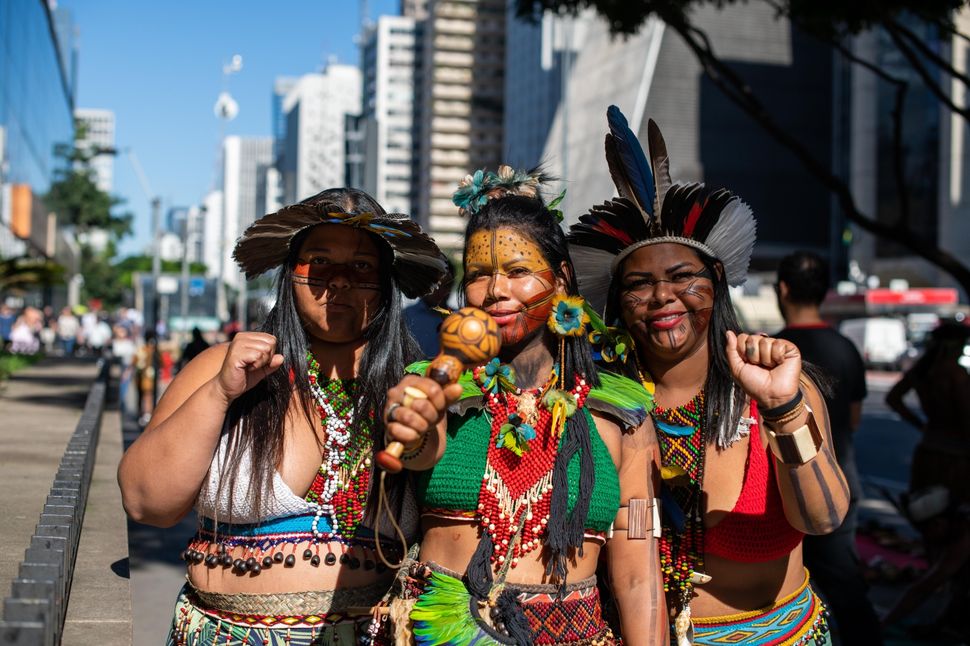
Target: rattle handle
444,369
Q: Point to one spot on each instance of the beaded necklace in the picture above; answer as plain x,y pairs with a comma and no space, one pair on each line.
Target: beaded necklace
516,493
681,438
341,484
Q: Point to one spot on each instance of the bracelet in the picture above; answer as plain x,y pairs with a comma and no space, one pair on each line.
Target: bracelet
787,417
410,454
772,414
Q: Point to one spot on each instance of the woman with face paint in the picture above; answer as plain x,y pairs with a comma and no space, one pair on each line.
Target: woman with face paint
743,430
270,437
541,457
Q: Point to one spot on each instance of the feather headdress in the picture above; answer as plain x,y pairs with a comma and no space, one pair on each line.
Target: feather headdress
419,266
650,210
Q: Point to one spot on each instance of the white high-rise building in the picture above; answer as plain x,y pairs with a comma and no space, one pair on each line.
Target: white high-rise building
462,106
212,233
391,63
313,155
245,162
99,132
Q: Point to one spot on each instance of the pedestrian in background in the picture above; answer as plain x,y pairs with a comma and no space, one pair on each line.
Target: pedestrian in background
424,317
67,330
7,319
943,388
193,348
803,281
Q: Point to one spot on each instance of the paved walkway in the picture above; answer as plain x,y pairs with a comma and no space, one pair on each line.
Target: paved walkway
39,410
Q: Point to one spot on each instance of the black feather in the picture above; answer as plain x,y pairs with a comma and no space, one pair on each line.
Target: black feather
660,161
629,167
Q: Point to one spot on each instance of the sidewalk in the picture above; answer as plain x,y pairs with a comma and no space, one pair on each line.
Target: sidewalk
39,411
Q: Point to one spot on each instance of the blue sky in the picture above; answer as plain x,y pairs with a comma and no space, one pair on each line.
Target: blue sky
158,65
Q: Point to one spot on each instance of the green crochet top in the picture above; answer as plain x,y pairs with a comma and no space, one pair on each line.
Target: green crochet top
454,483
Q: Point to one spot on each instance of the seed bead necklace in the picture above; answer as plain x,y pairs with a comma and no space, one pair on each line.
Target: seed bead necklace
340,488
682,446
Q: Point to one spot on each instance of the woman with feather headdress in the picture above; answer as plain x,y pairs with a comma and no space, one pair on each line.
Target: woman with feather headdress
270,437
748,467
540,458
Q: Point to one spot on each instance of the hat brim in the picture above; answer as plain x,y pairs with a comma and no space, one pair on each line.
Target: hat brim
418,267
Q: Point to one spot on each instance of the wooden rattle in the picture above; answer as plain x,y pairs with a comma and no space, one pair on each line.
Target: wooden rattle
469,337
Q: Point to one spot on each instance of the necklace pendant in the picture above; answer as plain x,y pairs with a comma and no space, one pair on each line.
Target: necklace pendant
528,409
684,627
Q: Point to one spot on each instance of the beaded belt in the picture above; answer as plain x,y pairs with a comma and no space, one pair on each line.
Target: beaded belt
796,620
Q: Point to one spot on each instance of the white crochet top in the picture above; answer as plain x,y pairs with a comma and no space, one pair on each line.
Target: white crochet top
214,499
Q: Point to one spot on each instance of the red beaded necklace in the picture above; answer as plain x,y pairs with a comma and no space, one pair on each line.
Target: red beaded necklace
516,491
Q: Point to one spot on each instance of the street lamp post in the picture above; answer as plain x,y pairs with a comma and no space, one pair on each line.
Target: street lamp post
226,110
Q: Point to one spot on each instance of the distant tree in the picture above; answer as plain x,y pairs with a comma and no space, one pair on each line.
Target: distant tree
832,22
78,202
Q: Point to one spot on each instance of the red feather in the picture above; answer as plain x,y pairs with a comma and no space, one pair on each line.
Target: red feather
619,234
691,221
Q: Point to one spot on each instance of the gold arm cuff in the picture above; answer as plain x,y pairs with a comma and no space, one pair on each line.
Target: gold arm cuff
799,446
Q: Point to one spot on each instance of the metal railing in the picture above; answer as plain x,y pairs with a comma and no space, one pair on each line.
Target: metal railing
34,612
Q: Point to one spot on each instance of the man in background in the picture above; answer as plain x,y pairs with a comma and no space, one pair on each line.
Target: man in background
832,560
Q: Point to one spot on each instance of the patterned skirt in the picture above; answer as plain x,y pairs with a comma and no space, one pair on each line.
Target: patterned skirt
796,620
442,612
313,618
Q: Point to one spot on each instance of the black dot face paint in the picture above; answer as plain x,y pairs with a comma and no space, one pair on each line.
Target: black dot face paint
507,275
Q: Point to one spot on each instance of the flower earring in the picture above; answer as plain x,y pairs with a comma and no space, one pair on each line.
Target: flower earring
568,316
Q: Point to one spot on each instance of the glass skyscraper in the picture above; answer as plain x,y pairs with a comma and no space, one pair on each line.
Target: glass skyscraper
35,118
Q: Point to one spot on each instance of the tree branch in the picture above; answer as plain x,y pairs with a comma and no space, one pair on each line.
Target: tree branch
925,50
950,29
734,87
899,105
924,74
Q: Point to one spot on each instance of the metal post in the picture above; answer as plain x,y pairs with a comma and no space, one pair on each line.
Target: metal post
156,297
184,288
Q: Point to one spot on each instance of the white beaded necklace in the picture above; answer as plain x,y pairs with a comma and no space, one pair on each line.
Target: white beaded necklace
338,439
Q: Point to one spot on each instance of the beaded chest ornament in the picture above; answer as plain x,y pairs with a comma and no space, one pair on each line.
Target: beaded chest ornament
516,493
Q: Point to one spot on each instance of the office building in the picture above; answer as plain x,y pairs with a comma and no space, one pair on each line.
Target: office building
390,57
36,108
245,163
652,74
313,155
461,108
98,128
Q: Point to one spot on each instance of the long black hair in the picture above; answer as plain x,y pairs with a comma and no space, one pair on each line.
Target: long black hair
723,400
259,415
530,217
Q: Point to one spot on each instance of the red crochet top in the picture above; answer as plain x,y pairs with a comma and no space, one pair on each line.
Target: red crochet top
756,530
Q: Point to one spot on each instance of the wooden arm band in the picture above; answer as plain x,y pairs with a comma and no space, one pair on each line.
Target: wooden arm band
643,519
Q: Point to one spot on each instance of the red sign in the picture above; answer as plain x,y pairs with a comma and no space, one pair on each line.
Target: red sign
926,296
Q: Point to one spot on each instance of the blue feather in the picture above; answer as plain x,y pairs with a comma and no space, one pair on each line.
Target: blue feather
674,429
636,168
